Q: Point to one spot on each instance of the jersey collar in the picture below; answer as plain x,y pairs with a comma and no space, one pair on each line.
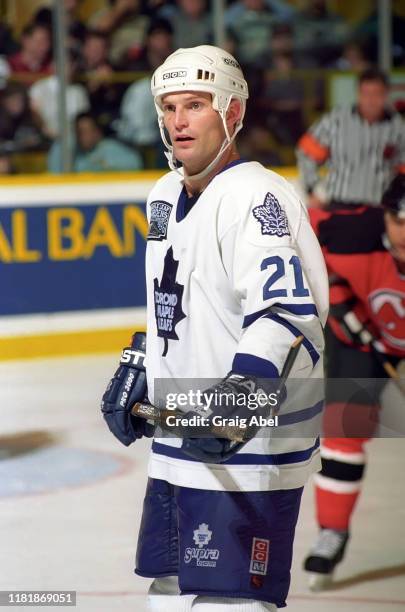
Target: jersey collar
186,203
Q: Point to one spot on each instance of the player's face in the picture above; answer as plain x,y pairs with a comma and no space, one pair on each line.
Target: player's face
395,228
372,100
195,128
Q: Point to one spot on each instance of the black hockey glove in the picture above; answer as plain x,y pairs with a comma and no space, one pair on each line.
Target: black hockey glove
239,398
127,387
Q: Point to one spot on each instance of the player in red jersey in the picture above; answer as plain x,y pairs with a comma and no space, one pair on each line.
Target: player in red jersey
365,340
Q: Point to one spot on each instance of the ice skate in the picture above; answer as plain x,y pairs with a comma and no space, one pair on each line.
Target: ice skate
326,553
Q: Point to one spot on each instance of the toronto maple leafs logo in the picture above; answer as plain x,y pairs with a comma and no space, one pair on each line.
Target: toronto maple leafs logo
272,217
168,296
159,220
202,535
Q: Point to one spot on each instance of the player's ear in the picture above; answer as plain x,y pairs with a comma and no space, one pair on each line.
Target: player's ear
233,113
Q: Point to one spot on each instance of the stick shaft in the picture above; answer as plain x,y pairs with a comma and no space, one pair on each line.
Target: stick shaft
154,414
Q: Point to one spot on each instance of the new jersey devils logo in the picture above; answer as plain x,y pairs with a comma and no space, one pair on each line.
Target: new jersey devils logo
388,308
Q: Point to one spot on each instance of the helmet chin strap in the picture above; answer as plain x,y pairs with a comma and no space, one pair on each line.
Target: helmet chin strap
200,175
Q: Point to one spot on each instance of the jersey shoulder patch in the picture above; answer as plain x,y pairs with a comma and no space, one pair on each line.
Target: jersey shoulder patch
272,218
268,221
159,219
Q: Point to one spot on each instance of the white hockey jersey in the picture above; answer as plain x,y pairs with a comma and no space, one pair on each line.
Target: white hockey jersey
230,285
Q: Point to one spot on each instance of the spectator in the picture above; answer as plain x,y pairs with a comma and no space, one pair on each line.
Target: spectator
282,52
124,24
95,52
354,57
255,145
8,45
158,45
137,123
368,29
280,100
282,44
44,98
76,29
94,152
191,22
320,34
153,8
249,24
282,10
104,96
6,164
36,50
19,128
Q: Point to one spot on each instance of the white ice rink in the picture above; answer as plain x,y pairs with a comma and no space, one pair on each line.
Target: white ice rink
70,508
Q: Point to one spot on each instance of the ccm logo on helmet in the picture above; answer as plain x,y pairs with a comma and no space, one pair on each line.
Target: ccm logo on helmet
231,62
173,75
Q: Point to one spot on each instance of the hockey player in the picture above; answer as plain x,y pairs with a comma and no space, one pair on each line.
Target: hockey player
365,339
234,274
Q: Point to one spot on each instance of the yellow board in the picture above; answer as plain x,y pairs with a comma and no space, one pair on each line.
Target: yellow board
67,343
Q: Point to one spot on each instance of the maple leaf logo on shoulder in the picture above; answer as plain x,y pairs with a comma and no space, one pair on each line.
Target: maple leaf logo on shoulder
272,217
168,296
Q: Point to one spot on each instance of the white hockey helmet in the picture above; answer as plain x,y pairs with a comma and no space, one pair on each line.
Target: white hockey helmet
203,68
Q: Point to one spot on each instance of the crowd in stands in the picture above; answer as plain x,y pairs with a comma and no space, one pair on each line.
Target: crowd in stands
284,48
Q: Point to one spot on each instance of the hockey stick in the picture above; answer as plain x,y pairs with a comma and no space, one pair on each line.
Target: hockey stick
159,415
355,327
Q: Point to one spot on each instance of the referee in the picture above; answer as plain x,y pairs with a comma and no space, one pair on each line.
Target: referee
363,147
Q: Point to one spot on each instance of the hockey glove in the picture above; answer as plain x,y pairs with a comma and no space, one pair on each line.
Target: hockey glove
235,397
127,387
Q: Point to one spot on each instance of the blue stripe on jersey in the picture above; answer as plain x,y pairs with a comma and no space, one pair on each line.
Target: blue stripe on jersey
313,353
250,365
242,458
297,309
300,415
249,319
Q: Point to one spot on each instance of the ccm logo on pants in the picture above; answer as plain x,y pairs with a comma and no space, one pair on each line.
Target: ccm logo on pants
260,556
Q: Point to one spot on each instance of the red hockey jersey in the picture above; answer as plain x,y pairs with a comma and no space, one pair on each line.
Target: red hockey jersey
371,280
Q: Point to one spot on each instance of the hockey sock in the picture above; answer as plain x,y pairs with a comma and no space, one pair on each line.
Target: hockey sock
230,604
164,596
338,485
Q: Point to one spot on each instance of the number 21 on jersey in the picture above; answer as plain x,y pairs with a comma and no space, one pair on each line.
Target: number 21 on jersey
279,271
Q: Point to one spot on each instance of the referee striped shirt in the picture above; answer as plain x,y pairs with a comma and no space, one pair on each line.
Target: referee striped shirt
362,157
